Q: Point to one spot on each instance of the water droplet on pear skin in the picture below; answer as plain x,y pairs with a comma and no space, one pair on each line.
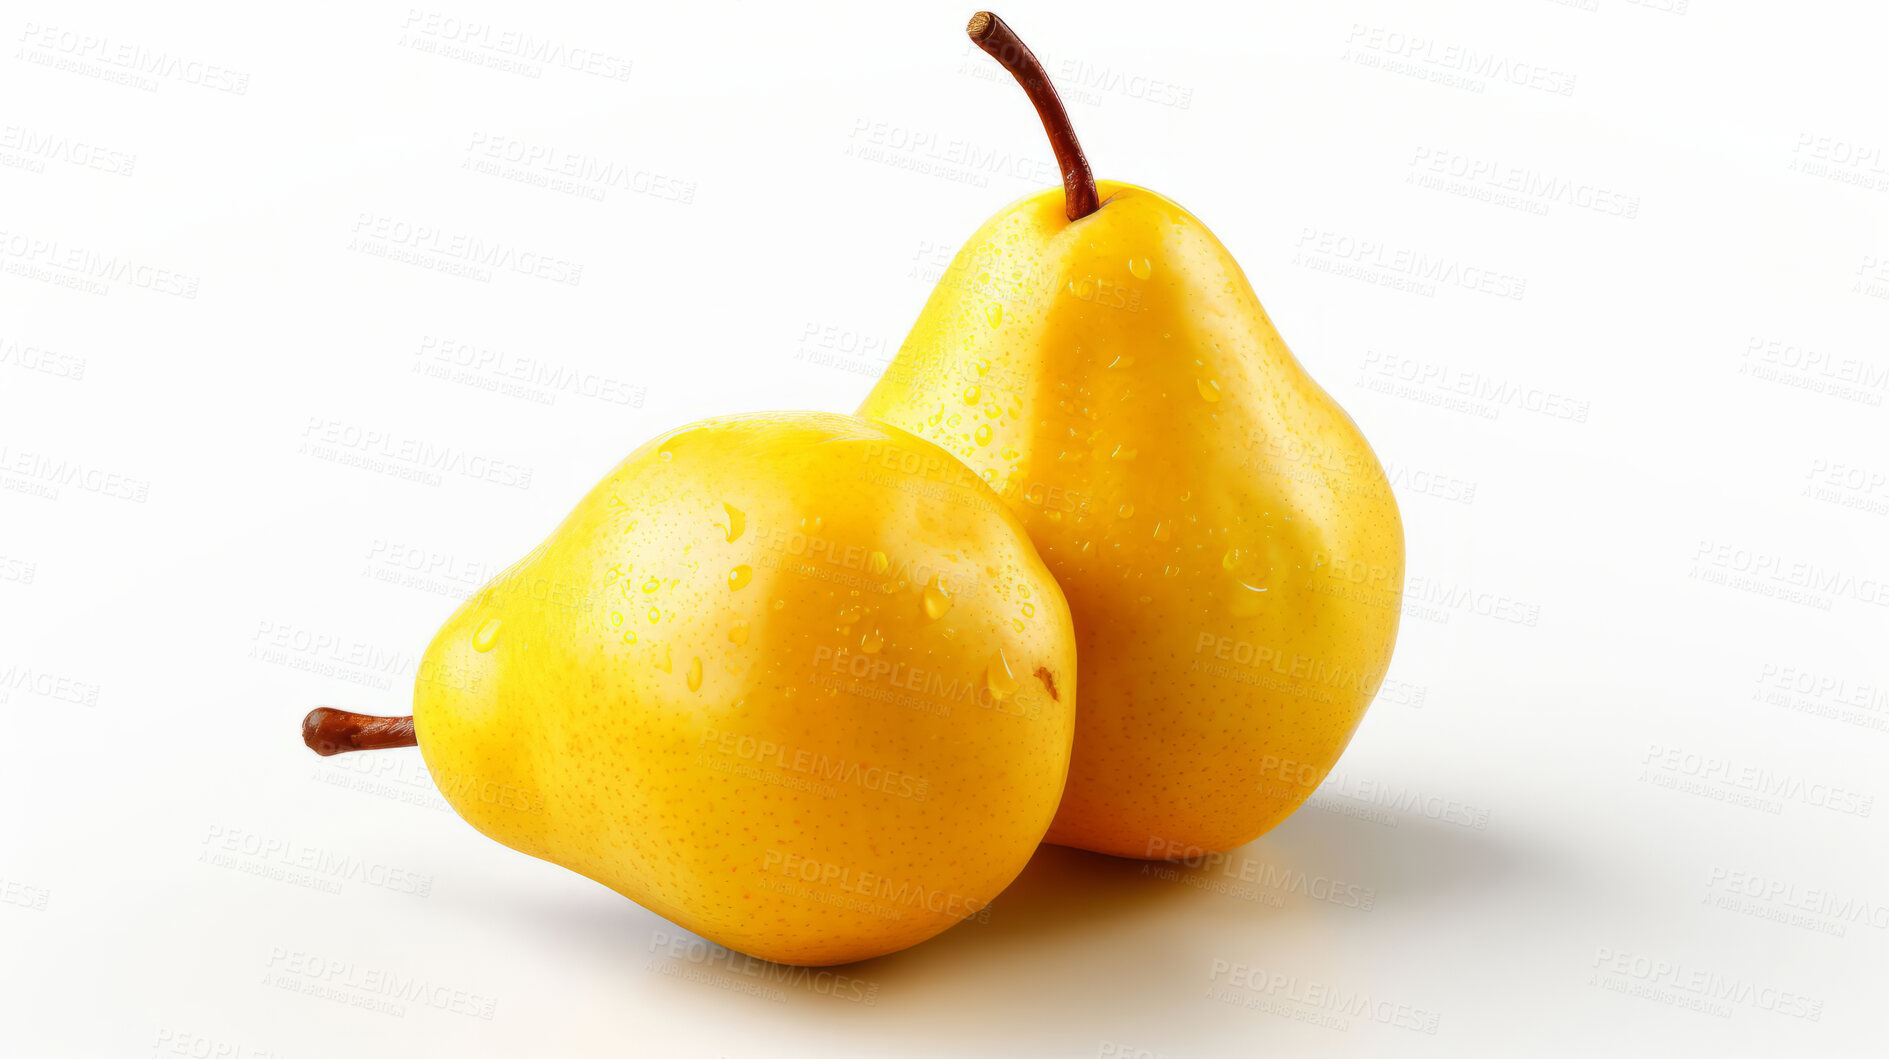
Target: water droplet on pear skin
851,615
651,585
984,433
1141,267
1126,511
663,663
937,598
1123,452
738,633
871,642
737,521
1209,389
740,576
655,615
995,314
485,635
997,675
616,617
629,636
971,394
695,674
878,563
1161,531
1247,600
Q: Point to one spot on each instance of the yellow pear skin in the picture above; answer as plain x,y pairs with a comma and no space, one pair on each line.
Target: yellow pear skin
1227,541
798,683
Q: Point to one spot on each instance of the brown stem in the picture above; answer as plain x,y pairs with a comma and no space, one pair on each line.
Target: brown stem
329,731
1001,42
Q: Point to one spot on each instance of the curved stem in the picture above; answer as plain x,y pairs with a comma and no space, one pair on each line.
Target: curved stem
1002,43
329,731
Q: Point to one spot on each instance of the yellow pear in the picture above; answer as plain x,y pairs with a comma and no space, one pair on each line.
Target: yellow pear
797,682
1228,543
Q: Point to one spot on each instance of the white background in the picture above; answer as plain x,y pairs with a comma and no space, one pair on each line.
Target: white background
1629,757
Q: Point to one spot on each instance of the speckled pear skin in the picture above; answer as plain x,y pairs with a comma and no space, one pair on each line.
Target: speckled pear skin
1227,539
822,740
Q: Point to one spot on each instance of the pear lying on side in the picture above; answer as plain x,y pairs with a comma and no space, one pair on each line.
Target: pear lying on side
1228,542
797,682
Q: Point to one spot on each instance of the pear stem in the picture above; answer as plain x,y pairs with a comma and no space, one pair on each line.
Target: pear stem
1002,44
329,731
